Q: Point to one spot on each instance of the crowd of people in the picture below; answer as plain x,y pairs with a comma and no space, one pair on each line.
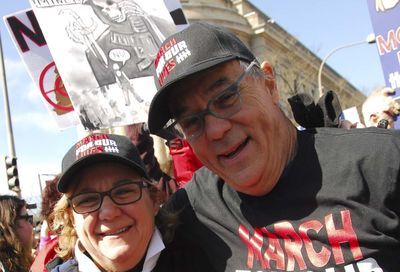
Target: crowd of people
265,196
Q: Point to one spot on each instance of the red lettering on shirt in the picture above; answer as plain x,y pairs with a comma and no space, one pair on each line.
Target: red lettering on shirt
338,236
288,249
318,259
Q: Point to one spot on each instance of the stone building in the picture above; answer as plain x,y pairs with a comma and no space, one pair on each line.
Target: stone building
296,67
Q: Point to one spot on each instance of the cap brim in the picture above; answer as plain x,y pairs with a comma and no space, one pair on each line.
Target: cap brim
64,182
159,113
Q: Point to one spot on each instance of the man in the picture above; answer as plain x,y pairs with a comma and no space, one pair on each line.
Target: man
271,198
380,105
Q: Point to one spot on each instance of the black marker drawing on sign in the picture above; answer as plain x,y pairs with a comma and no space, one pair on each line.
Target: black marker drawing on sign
125,50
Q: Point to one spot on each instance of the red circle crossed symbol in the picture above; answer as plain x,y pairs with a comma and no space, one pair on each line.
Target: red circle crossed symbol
58,89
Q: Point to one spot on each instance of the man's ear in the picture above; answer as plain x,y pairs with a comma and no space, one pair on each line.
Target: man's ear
270,82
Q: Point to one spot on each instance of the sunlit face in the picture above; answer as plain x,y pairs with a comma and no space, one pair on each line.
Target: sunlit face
384,115
115,236
249,149
25,230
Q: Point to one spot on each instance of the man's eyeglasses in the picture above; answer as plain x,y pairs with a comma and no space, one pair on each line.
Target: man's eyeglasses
223,106
123,194
27,217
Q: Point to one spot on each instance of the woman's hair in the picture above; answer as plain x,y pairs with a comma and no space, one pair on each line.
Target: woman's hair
63,226
50,197
63,222
13,253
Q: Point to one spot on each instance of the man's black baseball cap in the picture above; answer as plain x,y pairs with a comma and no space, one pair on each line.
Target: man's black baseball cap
194,49
99,148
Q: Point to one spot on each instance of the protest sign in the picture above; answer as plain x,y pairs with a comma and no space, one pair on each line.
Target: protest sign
385,16
31,45
104,51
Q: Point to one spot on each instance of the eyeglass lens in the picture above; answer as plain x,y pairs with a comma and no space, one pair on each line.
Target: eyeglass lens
223,106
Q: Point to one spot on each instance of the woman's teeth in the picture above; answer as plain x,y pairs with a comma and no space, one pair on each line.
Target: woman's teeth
117,232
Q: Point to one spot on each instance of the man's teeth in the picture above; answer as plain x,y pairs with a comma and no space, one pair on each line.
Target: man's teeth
230,154
117,232
233,153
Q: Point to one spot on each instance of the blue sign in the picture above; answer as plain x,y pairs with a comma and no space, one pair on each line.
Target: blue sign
385,18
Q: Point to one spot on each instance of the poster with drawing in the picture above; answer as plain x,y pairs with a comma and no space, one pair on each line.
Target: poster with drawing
104,51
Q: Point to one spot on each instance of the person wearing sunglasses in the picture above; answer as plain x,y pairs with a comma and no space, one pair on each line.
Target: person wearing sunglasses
271,198
108,217
16,235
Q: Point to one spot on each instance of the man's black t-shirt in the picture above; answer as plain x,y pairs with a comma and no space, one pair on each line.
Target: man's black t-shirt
335,208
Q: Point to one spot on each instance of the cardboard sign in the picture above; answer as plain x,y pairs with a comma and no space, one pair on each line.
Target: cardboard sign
104,51
31,45
351,115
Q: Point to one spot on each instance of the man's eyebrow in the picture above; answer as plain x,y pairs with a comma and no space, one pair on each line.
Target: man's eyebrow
222,81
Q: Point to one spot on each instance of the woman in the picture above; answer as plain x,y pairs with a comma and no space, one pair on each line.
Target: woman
16,235
48,239
106,217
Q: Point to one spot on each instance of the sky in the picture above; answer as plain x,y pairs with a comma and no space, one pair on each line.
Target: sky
321,25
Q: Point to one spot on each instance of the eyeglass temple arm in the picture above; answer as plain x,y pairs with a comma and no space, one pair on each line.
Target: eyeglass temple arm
168,133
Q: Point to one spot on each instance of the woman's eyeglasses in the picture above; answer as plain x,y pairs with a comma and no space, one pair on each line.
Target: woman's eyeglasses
123,194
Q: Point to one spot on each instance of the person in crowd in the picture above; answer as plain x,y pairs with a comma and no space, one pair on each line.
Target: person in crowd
108,217
50,197
380,109
140,136
184,161
48,238
271,198
379,106
16,235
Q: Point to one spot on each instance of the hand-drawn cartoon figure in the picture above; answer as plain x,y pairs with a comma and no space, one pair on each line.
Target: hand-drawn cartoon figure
124,50
130,40
125,85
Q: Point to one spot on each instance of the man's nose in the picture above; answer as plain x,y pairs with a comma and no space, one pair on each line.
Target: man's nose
215,128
